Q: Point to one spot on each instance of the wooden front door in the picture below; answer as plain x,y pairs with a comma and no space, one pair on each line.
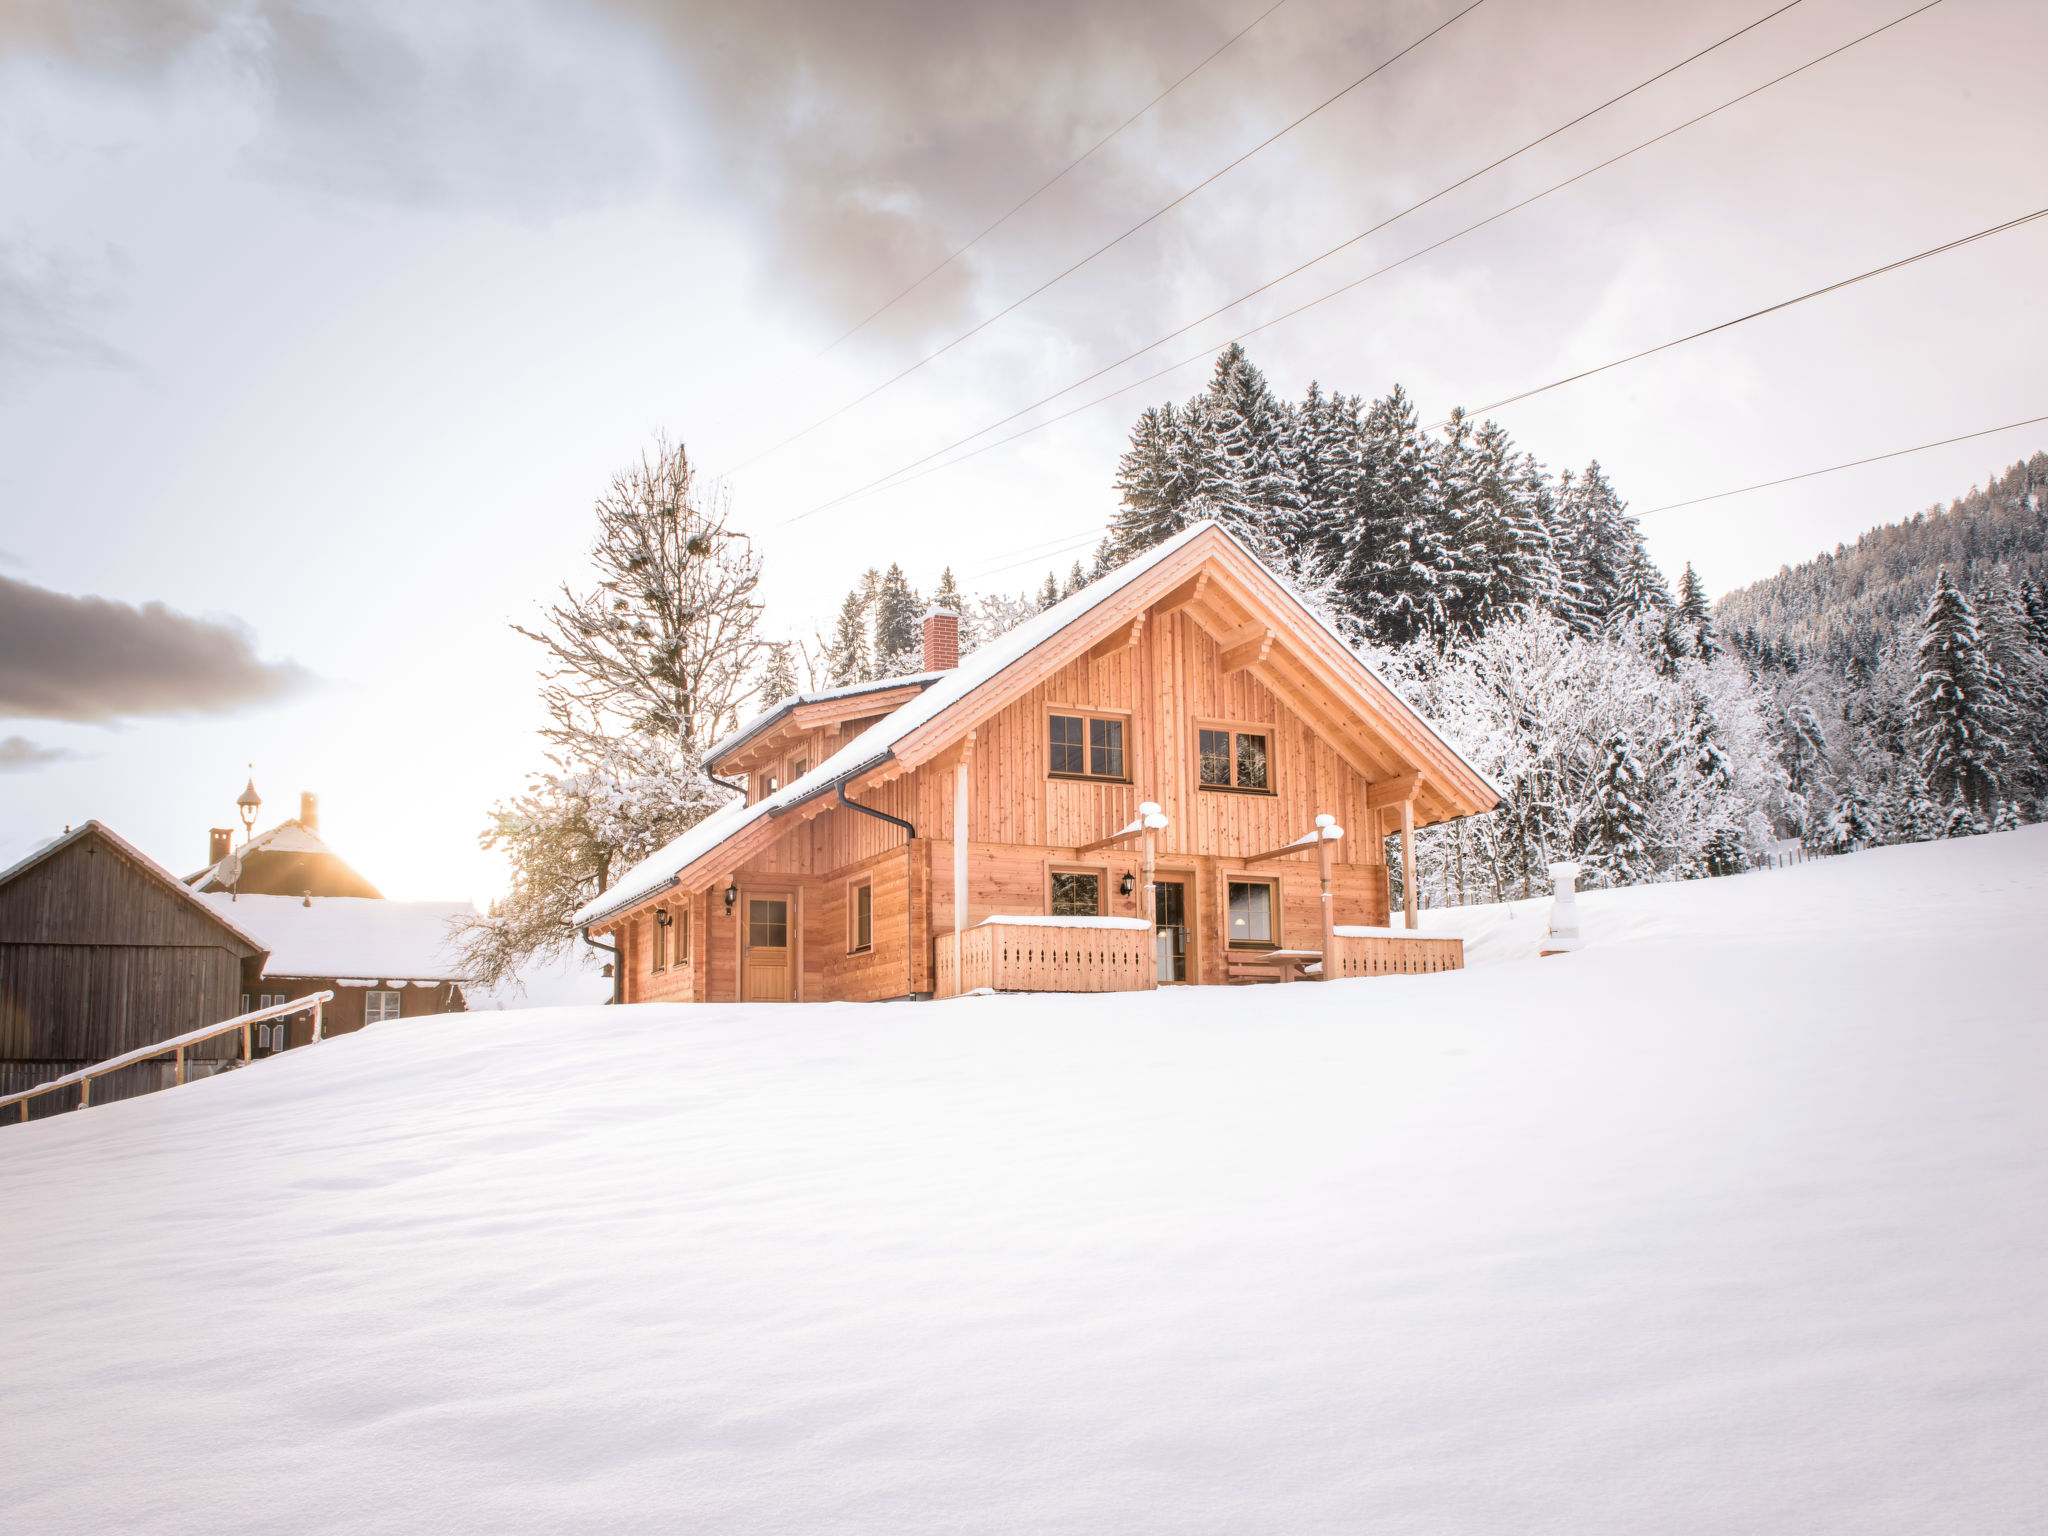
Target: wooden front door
767,954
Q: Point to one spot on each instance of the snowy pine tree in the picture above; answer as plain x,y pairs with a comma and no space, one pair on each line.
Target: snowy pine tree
1612,834
1957,711
898,619
847,659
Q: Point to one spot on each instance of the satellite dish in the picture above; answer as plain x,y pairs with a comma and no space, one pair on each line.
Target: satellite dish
229,870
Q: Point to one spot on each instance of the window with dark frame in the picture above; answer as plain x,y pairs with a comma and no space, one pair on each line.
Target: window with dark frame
1234,760
1085,747
1251,914
860,917
1075,894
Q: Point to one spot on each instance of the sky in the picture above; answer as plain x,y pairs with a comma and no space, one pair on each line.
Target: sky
322,326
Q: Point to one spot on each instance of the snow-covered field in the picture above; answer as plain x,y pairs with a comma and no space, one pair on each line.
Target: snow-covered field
1737,1221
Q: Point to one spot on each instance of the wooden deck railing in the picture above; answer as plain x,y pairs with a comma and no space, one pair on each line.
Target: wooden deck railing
175,1047
1394,952
1043,957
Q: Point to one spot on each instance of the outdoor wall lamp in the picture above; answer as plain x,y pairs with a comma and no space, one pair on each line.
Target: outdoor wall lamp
1129,881
732,894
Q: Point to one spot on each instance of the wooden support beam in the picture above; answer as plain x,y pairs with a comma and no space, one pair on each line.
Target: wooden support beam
1118,640
1408,881
1282,852
1115,837
1187,592
1248,654
1329,970
1387,792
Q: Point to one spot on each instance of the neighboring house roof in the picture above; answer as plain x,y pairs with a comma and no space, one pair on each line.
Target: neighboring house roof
352,936
142,861
775,714
287,860
875,746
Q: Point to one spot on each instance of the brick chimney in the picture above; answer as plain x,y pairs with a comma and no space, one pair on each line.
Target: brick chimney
309,810
941,640
220,842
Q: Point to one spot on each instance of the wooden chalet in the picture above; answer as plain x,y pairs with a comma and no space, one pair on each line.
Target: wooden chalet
102,951
1177,775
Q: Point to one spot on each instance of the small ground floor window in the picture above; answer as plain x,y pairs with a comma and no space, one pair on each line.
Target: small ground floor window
1251,913
379,1004
1075,894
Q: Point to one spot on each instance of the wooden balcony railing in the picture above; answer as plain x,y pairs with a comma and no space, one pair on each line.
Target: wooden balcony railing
1394,952
1046,954
175,1048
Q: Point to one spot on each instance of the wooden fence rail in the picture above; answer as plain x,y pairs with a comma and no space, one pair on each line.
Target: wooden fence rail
174,1047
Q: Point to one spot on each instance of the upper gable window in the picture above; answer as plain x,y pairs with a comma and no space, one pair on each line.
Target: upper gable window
1233,759
1085,746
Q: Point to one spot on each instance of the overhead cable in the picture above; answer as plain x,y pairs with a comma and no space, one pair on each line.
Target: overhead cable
1150,218
1058,176
1876,458
1515,207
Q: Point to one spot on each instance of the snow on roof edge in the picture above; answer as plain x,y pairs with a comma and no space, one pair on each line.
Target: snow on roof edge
734,740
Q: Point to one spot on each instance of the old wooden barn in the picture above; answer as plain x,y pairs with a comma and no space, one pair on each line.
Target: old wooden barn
103,950
1178,775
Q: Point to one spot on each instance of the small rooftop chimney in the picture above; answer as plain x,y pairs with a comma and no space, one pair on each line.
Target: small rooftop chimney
941,640
220,842
309,810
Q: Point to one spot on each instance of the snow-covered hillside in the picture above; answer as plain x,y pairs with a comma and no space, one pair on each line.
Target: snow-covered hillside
1731,1222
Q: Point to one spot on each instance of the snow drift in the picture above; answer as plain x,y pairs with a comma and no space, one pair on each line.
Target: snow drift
1731,1222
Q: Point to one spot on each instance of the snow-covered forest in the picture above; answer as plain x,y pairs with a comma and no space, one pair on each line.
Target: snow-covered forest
1644,732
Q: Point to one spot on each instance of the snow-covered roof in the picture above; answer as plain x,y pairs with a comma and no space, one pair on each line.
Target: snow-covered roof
285,837
775,713
353,936
876,745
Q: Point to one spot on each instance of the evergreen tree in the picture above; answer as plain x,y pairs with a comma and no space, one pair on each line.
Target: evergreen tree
1616,820
1076,580
846,656
1049,593
1955,703
1698,617
778,677
1849,827
947,593
898,626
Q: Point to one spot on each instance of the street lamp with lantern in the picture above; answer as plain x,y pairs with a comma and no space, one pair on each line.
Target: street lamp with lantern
250,803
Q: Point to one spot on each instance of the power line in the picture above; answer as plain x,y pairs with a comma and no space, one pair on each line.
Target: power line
1100,250
1059,175
1481,410
1670,506
1339,291
1876,458
1756,314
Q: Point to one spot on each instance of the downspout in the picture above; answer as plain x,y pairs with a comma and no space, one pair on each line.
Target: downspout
618,965
909,878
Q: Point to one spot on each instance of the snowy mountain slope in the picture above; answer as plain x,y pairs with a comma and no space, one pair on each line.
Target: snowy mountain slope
1731,1222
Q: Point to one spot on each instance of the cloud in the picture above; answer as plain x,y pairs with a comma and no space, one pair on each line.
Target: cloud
18,754
45,299
91,659
859,144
